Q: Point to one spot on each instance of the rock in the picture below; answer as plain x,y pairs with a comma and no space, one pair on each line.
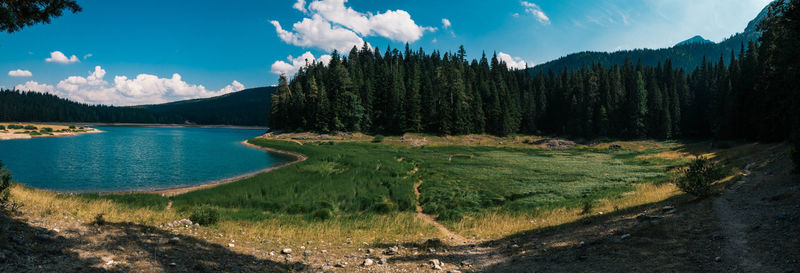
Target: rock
625,236
383,261
666,209
515,246
370,251
718,259
307,253
391,251
431,250
323,251
341,265
614,147
434,241
231,245
174,240
646,217
368,262
466,263
436,264
173,264
581,244
286,251
272,253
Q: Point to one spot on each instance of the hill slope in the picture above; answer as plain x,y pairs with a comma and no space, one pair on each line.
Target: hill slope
687,54
246,107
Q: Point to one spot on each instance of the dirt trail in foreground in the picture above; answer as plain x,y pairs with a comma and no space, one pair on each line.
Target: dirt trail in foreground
757,216
457,239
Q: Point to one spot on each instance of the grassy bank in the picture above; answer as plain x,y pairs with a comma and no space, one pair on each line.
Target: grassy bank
356,188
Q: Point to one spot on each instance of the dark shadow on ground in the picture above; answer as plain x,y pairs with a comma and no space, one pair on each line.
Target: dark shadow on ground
26,248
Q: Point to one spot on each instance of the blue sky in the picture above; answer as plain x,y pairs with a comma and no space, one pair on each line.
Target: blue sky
142,51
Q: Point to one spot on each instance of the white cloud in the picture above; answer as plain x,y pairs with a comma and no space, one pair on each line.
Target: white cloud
35,86
58,57
515,15
143,89
20,73
294,64
87,56
446,23
536,11
300,5
317,32
335,26
511,62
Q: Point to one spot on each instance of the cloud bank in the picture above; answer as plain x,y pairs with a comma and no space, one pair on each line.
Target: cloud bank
511,62
536,11
123,91
20,73
294,64
58,57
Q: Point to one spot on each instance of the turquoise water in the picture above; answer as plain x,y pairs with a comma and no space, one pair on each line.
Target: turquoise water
134,158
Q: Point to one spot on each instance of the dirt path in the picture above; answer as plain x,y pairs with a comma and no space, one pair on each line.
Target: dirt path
756,216
457,239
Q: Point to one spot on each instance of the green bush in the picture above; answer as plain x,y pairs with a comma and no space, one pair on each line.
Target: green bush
377,139
72,127
30,127
698,178
322,214
14,126
47,129
5,183
2,127
204,215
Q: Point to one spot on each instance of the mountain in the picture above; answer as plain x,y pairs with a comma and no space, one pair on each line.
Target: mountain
246,107
687,54
695,40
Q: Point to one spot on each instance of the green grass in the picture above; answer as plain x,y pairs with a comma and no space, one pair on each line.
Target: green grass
348,179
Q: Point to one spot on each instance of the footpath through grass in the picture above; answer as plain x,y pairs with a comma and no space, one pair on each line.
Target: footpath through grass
357,183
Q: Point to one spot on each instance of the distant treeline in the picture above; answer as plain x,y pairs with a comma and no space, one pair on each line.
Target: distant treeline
247,107
753,97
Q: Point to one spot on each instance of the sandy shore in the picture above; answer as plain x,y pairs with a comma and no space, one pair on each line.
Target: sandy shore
182,190
10,135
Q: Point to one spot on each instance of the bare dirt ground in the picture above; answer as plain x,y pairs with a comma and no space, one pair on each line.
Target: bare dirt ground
751,226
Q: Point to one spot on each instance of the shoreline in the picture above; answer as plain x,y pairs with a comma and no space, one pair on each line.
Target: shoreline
181,190
12,136
173,125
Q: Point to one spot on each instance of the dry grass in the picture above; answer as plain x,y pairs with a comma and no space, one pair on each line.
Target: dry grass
281,229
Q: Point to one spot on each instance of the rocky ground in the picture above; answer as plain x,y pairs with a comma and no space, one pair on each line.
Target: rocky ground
752,226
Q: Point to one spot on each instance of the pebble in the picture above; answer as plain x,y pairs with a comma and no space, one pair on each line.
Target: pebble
307,253
391,251
231,245
286,251
718,259
368,262
383,261
626,236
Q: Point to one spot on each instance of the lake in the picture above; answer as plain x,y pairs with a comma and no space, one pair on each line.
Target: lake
134,158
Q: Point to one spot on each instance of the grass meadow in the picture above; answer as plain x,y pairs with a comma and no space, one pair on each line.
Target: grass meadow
356,188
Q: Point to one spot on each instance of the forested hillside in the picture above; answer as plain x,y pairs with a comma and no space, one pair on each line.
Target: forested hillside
246,107
754,97
687,55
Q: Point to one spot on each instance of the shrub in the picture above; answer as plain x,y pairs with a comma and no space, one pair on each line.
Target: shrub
384,207
47,129
5,183
30,127
322,214
377,139
99,220
698,178
14,126
204,215
72,127
2,127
